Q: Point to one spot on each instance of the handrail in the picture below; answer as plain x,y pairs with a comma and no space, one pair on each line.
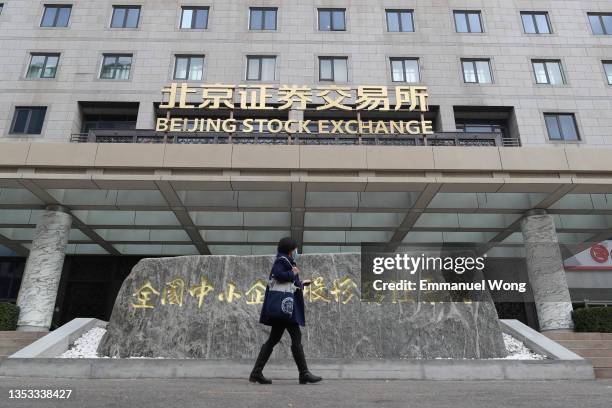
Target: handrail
152,136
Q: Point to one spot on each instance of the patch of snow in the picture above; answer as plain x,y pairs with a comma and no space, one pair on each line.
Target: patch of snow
518,351
86,346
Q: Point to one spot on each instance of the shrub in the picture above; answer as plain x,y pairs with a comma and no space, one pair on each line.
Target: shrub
593,319
8,316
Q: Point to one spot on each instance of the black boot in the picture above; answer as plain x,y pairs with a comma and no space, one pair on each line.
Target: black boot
257,374
300,360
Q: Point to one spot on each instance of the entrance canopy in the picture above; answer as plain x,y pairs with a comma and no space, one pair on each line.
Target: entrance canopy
158,199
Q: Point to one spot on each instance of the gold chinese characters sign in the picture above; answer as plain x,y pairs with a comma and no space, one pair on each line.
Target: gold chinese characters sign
208,97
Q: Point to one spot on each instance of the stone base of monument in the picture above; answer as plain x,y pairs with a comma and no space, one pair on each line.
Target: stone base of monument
40,360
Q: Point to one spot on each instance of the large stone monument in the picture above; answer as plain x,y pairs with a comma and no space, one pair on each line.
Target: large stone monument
208,307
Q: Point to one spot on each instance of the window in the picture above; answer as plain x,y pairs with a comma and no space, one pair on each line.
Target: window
608,70
125,16
194,17
536,22
189,67
262,19
477,71
331,20
333,69
116,66
400,21
601,23
42,66
56,15
261,68
548,72
28,120
561,126
405,70
1,8
468,22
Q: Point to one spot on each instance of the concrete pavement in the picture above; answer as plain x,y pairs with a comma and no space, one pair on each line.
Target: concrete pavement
152,393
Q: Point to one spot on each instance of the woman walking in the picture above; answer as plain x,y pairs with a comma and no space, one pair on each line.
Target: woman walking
285,274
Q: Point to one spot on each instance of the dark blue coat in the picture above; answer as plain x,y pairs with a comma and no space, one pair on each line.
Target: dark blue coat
282,272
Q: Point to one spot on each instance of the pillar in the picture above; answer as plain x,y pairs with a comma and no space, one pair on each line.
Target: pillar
546,272
146,116
446,119
41,277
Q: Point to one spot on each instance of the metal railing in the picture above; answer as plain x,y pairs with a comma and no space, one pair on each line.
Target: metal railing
152,136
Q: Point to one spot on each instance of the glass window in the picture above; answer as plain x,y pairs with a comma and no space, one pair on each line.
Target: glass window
477,71
116,66
608,70
42,66
125,16
1,8
262,19
189,67
405,70
332,20
468,22
333,69
261,68
400,21
194,17
535,22
56,15
601,23
548,72
561,126
28,120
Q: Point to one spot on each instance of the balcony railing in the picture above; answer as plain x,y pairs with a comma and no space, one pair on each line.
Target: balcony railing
151,136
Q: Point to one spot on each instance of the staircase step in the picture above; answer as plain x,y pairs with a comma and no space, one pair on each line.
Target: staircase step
21,343
603,372
601,362
578,344
578,336
593,353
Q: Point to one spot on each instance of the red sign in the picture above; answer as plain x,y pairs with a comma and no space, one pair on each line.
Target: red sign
600,253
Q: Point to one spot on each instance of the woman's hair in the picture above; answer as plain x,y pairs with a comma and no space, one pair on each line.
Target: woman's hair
286,245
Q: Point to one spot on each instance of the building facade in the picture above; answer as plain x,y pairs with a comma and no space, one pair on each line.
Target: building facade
519,101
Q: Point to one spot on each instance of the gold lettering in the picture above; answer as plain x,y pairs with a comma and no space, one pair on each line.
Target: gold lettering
161,125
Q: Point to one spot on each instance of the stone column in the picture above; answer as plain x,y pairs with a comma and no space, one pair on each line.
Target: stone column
546,272
146,116
43,270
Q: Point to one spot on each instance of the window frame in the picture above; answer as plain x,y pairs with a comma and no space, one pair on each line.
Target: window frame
607,75
545,63
260,59
474,61
466,13
532,15
116,56
189,57
403,61
194,17
56,7
601,23
331,11
125,16
333,68
28,120
557,116
263,10
46,55
399,12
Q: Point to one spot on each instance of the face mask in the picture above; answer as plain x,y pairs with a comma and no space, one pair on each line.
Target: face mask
296,254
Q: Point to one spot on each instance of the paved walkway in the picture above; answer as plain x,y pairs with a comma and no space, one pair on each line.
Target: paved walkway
288,394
